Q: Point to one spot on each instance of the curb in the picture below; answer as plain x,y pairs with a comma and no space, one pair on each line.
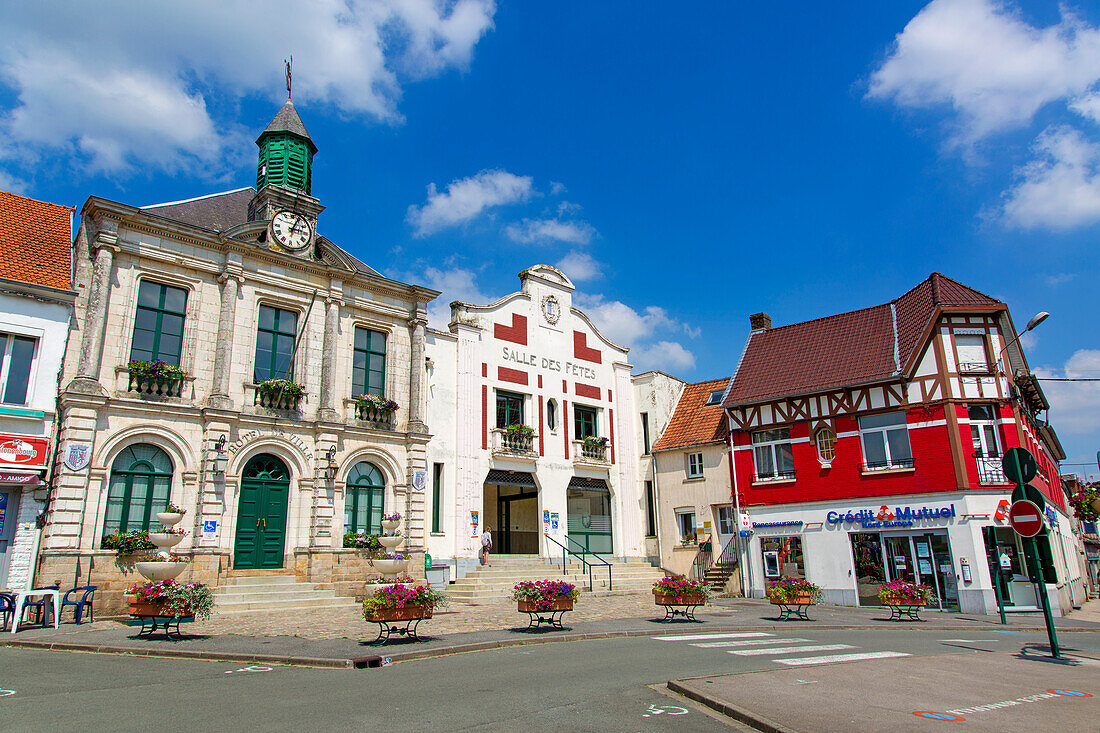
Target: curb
412,655
742,716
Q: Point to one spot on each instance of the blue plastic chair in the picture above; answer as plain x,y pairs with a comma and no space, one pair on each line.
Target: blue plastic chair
7,609
40,606
86,598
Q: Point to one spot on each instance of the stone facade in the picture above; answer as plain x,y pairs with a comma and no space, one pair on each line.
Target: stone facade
216,422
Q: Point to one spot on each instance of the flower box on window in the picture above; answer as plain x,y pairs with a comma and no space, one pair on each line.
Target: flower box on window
155,378
279,394
375,408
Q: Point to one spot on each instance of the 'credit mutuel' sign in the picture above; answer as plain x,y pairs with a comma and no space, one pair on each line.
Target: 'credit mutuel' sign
23,450
902,516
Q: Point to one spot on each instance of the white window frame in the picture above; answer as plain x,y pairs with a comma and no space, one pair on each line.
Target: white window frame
767,442
9,337
965,349
715,396
694,465
985,431
680,514
891,462
732,526
821,433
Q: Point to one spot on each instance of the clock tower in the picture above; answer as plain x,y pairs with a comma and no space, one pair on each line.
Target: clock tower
284,180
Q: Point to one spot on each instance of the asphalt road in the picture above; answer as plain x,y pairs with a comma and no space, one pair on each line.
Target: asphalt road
598,685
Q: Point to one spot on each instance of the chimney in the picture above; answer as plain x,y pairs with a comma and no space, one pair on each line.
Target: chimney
760,322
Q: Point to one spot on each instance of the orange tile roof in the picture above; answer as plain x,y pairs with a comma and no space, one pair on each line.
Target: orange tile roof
694,422
35,243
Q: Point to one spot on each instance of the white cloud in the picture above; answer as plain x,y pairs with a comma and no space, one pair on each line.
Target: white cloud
1060,187
1059,279
692,332
988,64
1075,406
1029,341
132,84
668,356
548,230
465,199
455,283
580,266
557,188
1087,106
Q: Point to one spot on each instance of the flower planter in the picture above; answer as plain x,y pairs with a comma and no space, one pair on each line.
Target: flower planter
390,567
164,540
138,608
802,599
688,599
390,540
902,601
529,606
406,613
390,524
169,519
154,570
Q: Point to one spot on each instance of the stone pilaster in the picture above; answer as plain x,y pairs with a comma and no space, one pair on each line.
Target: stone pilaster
327,410
323,506
416,371
95,316
223,350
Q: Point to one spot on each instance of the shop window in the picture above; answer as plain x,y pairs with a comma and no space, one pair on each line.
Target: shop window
685,526
782,557
509,409
773,454
826,445
141,479
885,440
725,520
158,323
363,499
552,415
16,359
368,366
695,465
584,422
972,353
275,335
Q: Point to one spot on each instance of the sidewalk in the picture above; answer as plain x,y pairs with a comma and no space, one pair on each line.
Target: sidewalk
333,638
991,692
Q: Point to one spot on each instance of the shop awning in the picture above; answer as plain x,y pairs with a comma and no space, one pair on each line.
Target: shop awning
510,478
589,484
20,478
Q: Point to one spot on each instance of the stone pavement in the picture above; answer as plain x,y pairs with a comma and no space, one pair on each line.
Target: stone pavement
992,692
331,637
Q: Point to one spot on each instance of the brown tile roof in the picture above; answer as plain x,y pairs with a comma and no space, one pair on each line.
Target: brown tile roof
694,422
35,241
847,348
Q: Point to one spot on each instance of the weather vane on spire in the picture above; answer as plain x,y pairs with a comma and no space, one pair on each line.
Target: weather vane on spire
288,64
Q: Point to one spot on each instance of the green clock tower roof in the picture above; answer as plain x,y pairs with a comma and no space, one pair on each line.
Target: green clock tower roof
286,152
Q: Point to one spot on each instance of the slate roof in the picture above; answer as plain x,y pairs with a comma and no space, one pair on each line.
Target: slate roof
287,120
35,241
216,212
857,347
694,422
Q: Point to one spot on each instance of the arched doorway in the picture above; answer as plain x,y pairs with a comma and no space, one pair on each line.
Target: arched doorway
261,513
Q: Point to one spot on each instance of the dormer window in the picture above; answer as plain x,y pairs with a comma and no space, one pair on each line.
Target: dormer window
715,397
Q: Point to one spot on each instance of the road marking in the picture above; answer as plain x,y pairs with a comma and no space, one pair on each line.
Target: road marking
968,641
670,709
7,693
748,642
789,650
253,668
831,658
938,716
697,637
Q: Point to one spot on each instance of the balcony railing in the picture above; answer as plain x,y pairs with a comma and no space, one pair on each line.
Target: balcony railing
513,444
590,453
383,419
990,470
891,465
975,367
133,385
276,400
786,475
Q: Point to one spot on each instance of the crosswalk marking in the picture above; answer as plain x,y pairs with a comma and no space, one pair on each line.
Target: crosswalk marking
748,642
830,658
697,637
789,650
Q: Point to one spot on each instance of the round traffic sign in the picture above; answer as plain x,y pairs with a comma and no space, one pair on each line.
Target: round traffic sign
1025,518
1019,465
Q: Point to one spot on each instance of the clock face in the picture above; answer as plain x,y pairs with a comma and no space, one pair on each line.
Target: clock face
551,309
291,230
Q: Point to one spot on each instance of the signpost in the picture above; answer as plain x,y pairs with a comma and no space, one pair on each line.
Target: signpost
1026,517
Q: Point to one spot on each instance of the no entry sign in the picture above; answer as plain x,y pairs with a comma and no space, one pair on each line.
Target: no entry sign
1025,518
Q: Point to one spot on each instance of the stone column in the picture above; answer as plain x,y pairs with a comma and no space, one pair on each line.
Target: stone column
327,410
416,372
95,316
223,348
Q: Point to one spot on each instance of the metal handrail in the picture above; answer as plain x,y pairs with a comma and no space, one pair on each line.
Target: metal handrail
585,564
728,555
704,560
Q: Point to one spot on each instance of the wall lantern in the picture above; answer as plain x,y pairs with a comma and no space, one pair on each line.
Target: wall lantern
330,463
220,459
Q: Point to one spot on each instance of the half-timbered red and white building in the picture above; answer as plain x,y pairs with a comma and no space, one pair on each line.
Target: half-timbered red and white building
867,448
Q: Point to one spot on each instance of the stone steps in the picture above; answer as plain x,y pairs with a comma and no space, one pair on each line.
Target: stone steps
496,580
270,592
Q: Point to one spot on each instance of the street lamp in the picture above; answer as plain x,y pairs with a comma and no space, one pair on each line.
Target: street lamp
1031,325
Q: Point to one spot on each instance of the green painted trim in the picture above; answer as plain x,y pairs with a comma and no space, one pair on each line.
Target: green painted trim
17,412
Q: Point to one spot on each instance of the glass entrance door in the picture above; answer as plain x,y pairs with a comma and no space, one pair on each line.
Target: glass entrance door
869,567
899,559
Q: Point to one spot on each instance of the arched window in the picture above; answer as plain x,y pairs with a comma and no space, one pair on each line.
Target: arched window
826,445
363,499
141,478
552,414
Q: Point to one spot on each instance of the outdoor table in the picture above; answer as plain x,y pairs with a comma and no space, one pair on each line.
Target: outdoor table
21,597
152,624
552,618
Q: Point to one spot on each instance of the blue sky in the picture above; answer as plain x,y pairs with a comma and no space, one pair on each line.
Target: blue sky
687,166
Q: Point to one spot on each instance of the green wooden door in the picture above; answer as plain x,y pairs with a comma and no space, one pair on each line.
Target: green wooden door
261,513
